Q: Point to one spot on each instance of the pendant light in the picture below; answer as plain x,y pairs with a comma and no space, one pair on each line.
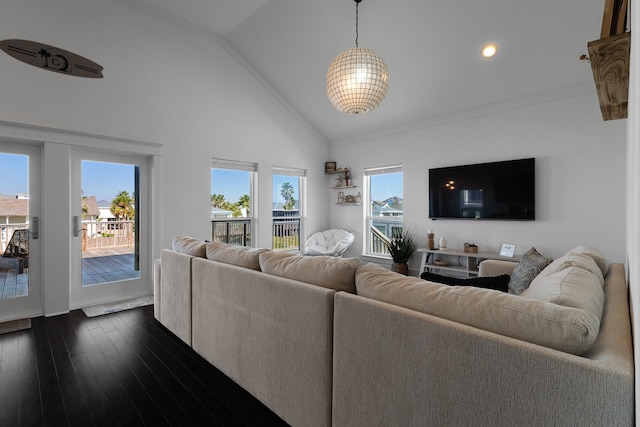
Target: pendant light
357,79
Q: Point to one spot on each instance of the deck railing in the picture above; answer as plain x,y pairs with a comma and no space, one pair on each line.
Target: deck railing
235,231
6,232
286,234
107,234
381,230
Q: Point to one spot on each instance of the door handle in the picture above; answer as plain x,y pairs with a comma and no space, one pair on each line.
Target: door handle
76,226
35,227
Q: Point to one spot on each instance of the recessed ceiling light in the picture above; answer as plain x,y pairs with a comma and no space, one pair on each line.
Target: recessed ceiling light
489,50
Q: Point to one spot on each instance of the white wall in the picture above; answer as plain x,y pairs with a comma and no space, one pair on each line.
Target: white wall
164,85
580,176
633,192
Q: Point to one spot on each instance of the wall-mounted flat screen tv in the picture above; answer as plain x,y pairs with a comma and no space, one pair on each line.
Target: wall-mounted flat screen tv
497,190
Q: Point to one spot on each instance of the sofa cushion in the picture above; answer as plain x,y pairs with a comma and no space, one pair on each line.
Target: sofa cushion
551,325
530,265
189,245
328,272
571,287
498,283
579,260
598,257
240,256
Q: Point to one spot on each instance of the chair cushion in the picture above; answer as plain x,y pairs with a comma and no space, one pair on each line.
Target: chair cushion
328,272
332,242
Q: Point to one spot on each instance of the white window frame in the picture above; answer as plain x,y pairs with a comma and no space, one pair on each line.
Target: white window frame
301,174
252,169
369,244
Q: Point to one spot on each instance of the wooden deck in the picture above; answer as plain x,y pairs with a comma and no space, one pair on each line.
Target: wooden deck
98,266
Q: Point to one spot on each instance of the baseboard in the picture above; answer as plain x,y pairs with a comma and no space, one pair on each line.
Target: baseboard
15,325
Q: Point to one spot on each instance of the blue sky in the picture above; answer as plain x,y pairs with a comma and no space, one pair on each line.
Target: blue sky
106,180
234,184
103,180
13,174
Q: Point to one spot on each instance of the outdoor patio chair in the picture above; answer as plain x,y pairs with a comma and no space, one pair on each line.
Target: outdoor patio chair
16,255
334,242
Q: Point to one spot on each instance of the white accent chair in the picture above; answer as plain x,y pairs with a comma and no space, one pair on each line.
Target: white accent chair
334,242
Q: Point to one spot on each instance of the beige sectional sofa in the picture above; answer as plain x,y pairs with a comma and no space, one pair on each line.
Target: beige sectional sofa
326,341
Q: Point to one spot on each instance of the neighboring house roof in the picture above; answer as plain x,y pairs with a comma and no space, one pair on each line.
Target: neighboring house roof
92,205
217,213
280,206
14,207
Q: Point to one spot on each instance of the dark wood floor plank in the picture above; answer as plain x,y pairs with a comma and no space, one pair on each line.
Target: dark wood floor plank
120,369
52,402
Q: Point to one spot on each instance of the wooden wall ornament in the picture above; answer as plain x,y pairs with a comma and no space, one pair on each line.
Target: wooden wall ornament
51,58
609,58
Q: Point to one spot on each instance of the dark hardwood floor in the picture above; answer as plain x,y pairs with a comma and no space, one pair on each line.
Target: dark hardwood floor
120,369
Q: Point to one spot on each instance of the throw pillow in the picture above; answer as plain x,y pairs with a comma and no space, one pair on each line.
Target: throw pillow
572,287
531,264
498,283
598,257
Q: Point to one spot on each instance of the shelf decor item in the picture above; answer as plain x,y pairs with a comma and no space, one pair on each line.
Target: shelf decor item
471,248
442,243
401,247
329,167
507,249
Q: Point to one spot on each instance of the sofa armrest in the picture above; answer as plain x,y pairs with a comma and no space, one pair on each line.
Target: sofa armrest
495,267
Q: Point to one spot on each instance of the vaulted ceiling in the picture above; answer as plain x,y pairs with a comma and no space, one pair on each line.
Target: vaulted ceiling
432,50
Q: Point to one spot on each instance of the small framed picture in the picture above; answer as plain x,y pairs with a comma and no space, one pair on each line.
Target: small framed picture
507,249
329,167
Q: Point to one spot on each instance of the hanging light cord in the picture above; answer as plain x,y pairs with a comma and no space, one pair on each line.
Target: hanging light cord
357,3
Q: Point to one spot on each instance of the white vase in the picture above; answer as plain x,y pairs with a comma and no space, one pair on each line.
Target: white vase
442,243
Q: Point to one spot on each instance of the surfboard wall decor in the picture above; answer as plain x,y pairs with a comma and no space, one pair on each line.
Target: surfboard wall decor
51,58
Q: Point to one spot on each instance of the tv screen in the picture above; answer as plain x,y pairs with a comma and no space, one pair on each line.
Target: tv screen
497,190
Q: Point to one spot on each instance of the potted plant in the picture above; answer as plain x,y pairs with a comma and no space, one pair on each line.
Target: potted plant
401,246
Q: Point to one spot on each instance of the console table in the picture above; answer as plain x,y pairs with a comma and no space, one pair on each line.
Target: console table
454,260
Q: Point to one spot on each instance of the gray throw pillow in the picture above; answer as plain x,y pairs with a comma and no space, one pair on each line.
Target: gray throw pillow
531,264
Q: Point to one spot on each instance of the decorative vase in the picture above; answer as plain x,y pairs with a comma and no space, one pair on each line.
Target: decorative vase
400,267
442,244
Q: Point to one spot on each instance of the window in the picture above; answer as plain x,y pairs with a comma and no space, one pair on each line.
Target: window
383,185
232,197
288,186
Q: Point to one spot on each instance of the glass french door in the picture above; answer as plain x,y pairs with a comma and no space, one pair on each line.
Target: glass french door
109,227
20,249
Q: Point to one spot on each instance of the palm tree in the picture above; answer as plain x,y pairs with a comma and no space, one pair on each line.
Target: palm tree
286,191
217,200
122,206
245,202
